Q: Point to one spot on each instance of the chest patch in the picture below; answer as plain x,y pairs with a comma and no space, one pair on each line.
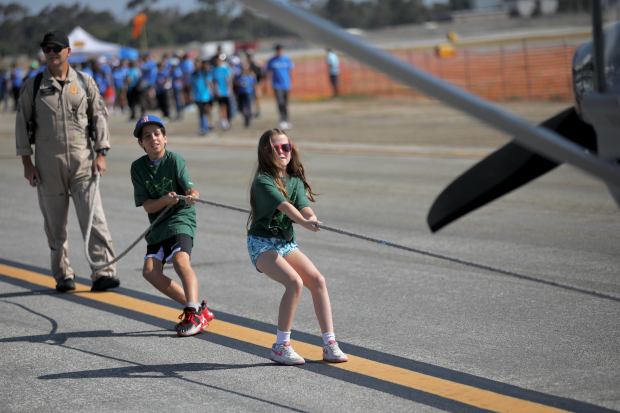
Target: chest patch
160,187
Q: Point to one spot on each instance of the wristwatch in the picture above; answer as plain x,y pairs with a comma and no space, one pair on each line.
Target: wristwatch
103,152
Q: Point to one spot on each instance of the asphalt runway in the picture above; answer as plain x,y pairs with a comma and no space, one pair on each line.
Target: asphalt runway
513,308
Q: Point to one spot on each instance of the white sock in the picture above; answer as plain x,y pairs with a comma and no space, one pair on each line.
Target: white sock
327,337
282,336
195,306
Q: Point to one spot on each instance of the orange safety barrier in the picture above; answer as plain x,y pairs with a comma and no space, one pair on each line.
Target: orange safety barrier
499,73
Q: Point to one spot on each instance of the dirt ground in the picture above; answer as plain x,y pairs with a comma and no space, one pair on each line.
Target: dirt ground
382,121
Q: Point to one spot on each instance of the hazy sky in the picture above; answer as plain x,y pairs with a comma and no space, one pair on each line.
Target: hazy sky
117,7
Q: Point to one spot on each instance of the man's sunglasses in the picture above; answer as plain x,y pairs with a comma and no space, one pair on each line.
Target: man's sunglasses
56,49
284,147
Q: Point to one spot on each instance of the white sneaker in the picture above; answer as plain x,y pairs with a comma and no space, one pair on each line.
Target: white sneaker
284,354
333,354
285,125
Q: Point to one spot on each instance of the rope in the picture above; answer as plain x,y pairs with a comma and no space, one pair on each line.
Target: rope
217,204
98,266
434,255
367,238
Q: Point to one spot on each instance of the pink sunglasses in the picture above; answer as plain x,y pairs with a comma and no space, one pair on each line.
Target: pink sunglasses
284,147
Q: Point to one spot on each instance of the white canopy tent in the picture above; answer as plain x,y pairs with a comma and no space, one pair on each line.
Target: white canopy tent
84,44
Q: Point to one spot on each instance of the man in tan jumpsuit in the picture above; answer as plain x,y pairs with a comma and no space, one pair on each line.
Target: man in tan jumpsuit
64,162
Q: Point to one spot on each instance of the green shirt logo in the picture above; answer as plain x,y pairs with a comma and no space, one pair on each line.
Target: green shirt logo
161,187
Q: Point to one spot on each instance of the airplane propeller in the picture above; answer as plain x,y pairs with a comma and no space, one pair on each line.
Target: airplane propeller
506,169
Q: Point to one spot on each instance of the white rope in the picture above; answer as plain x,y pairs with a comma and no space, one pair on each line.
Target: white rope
434,255
96,266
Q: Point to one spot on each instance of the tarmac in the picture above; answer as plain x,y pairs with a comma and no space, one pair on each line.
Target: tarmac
512,308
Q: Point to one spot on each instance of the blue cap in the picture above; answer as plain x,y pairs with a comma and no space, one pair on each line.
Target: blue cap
146,120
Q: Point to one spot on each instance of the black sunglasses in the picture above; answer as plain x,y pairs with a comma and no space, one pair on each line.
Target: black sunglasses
56,49
285,147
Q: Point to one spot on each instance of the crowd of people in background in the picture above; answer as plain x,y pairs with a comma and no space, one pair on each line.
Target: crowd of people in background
228,84
175,81
11,81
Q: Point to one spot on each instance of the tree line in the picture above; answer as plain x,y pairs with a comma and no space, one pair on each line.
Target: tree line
214,20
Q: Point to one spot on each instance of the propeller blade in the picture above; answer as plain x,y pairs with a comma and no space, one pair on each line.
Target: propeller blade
504,170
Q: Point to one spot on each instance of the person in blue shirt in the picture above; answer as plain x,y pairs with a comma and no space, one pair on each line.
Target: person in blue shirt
148,68
87,67
187,67
176,75
201,83
244,84
101,79
33,70
4,88
280,68
259,75
108,93
333,69
119,79
163,88
16,79
133,90
222,82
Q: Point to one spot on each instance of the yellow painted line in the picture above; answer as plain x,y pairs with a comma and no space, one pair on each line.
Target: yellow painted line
473,396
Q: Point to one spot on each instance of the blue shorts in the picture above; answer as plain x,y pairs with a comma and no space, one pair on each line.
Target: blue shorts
258,245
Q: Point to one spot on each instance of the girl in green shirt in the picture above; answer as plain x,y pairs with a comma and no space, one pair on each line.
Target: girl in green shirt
280,196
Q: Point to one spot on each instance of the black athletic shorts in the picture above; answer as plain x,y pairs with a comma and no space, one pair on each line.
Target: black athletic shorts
164,251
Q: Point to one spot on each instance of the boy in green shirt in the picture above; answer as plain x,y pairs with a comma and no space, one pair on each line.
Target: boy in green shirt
157,178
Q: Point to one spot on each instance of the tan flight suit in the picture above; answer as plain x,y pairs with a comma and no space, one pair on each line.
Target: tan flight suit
64,159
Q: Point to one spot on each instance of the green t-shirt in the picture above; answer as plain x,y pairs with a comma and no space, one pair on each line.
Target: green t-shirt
152,180
268,221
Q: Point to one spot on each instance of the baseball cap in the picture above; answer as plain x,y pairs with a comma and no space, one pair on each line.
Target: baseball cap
56,37
146,120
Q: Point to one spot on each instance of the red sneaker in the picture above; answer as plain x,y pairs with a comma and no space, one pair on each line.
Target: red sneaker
191,323
205,314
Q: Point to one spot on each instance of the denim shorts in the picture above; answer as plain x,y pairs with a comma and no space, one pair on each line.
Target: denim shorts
258,245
